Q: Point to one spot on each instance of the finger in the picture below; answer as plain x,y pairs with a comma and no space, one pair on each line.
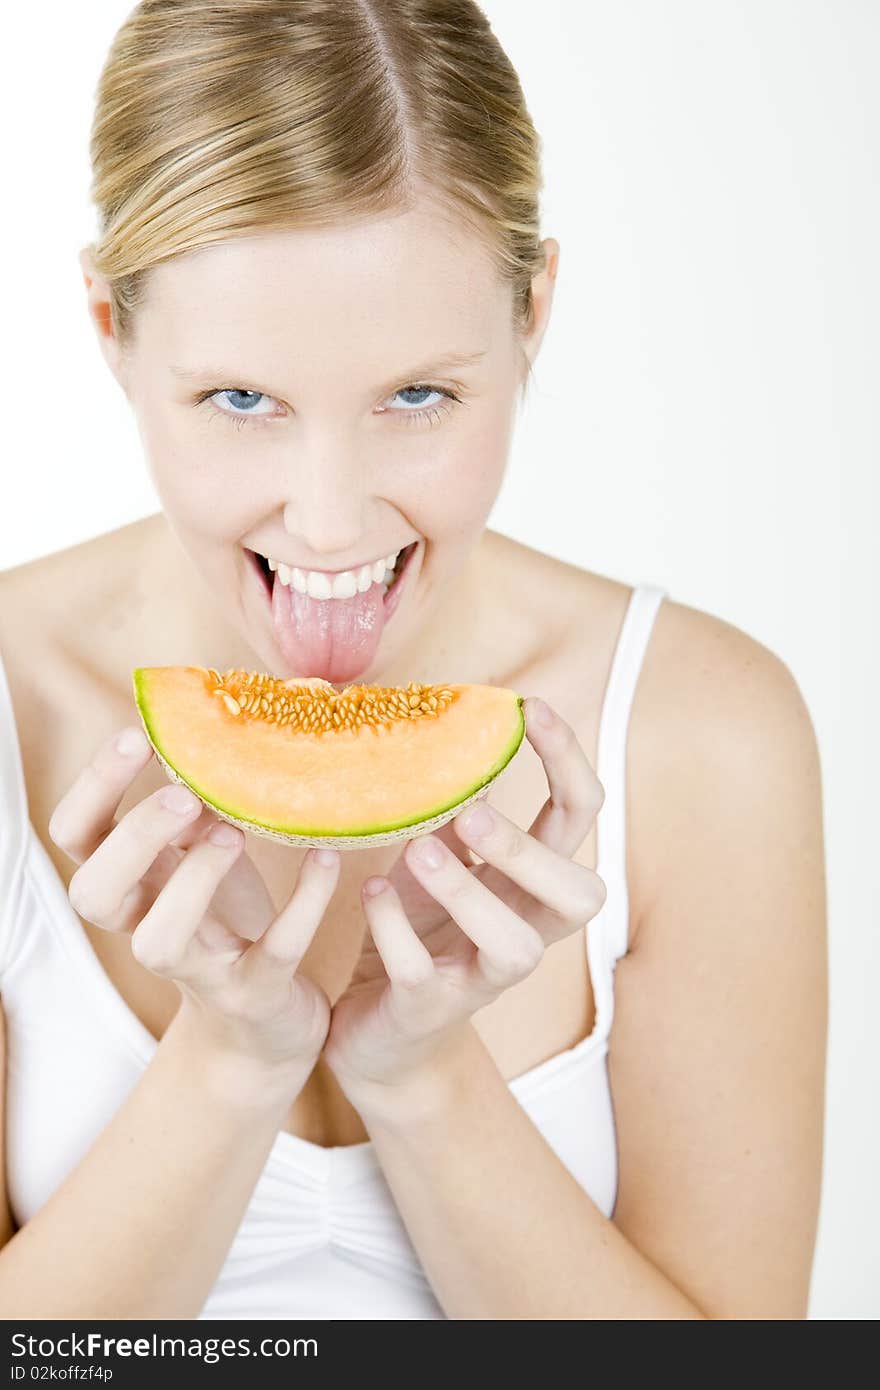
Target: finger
140,899
398,874
567,894
408,963
100,886
508,949
420,906
286,940
196,830
446,833
84,815
165,940
576,794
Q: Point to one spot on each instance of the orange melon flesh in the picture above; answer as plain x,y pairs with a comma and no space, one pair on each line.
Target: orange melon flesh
346,786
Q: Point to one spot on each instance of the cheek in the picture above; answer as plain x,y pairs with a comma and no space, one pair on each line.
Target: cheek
203,486
478,459
464,485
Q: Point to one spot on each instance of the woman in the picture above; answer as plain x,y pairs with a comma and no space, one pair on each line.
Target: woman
237,1084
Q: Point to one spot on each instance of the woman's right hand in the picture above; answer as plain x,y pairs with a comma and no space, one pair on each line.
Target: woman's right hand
173,875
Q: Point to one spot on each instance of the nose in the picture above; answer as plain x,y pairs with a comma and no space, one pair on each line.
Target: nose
326,511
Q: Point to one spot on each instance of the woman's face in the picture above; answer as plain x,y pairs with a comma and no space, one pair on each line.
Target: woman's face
302,398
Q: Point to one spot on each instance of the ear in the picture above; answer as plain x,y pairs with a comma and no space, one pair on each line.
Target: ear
543,285
99,307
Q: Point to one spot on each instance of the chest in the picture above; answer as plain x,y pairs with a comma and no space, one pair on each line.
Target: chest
549,1012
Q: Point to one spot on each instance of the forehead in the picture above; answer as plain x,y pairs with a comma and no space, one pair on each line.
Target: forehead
394,286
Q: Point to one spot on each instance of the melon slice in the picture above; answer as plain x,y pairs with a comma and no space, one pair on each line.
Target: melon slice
304,763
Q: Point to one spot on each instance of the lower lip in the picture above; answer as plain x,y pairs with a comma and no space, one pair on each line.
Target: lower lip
390,599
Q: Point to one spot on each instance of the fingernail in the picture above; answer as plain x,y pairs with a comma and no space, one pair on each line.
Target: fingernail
130,742
179,799
478,821
543,714
224,835
428,853
374,886
326,857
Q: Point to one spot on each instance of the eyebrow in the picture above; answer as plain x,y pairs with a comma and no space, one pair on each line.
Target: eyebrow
212,374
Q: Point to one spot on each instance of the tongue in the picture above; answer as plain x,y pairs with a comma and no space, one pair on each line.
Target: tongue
335,638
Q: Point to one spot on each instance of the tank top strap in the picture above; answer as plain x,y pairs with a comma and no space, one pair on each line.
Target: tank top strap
14,823
632,643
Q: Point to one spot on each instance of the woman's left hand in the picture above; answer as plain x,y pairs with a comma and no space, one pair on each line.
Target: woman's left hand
469,931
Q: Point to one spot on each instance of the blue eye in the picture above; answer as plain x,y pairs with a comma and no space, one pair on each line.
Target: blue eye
419,391
433,413
243,403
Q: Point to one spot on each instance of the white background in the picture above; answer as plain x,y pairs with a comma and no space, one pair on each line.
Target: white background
704,414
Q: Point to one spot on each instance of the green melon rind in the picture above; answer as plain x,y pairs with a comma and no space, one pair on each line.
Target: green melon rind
382,835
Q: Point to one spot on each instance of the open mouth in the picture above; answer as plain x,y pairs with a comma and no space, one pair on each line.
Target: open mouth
270,578
336,638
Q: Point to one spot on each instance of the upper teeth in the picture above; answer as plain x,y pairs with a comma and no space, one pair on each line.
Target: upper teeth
343,585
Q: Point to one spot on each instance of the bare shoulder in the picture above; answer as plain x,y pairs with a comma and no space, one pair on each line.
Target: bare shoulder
59,617
711,702
61,596
699,663
44,605
713,707
29,596
61,614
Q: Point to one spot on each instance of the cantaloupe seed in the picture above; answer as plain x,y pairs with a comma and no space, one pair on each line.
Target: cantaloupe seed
318,707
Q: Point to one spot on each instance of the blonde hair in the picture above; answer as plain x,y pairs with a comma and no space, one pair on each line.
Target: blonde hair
224,118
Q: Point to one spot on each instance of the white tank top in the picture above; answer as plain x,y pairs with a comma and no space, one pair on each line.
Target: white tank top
321,1236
